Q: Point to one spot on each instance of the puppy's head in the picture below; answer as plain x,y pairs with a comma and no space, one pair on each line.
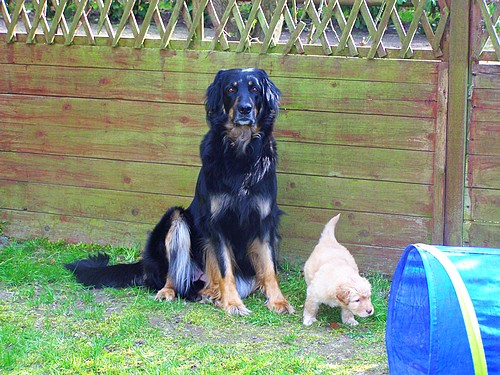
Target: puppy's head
243,101
355,296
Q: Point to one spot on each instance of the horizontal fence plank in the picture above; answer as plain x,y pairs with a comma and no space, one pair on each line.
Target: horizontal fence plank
356,162
484,204
197,60
315,159
104,83
486,98
413,100
482,234
355,195
148,208
486,76
368,258
99,173
407,133
483,172
25,225
355,227
38,175
72,229
298,230
302,126
484,114
484,138
90,203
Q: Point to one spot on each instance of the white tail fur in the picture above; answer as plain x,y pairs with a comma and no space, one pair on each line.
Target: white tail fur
181,268
329,230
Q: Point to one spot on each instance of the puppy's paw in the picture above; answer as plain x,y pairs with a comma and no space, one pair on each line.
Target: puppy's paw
308,320
165,294
348,318
352,322
280,306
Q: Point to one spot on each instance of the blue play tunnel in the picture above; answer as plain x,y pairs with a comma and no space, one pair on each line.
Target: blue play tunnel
444,312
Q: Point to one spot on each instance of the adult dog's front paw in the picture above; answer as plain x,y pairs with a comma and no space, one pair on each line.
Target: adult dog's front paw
165,294
280,306
237,310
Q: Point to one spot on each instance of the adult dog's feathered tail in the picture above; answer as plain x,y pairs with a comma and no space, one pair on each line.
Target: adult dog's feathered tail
166,261
96,272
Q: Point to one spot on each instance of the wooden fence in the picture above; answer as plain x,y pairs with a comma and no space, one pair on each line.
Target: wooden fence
100,122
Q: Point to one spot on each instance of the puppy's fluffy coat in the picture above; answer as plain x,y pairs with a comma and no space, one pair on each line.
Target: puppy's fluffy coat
333,279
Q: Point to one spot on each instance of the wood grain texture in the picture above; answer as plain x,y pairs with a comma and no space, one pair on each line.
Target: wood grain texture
330,95
161,147
189,61
483,171
482,234
484,205
484,138
399,132
96,142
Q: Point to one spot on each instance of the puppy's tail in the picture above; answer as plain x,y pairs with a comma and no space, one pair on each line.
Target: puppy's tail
329,230
96,272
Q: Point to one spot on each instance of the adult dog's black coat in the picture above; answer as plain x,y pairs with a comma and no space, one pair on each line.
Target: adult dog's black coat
222,247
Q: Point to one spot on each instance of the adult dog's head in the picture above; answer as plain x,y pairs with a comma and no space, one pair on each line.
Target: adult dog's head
242,103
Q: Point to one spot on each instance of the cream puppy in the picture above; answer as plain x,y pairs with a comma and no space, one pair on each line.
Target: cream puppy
333,279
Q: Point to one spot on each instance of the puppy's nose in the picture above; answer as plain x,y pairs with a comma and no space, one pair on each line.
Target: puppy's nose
369,312
244,108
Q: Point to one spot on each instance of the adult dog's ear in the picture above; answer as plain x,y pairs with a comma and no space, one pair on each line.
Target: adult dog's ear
271,95
213,100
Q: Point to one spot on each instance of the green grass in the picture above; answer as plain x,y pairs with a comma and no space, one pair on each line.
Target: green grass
49,324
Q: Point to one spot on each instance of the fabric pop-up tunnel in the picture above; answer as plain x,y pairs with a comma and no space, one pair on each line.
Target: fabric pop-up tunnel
444,312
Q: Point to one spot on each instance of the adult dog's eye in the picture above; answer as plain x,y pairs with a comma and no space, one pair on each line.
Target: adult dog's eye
231,90
254,89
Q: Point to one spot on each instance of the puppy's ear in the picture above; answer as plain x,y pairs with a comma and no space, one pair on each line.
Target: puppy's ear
213,99
343,293
271,95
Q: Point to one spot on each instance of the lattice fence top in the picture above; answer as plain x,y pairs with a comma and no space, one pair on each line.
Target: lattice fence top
316,27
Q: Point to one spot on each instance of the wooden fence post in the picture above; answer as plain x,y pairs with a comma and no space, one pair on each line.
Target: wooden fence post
458,89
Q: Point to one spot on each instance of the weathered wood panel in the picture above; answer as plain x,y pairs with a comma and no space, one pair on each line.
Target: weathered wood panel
24,224
484,171
186,61
382,131
180,148
482,195
482,234
332,95
484,138
110,138
56,180
484,205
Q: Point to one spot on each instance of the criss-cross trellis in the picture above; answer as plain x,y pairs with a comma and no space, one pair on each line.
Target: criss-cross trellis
321,23
296,27
490,21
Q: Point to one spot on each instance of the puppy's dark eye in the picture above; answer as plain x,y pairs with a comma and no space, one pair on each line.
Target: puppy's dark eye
254,89
356,300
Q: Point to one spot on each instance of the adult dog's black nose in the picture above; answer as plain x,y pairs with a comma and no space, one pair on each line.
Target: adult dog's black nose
244,108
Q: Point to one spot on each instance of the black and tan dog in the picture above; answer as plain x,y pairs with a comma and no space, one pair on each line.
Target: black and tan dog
223,246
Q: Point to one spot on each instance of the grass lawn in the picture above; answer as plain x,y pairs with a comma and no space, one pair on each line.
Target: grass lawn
49,324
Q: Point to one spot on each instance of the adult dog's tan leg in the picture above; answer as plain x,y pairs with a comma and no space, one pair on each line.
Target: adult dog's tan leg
261,258
219,288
